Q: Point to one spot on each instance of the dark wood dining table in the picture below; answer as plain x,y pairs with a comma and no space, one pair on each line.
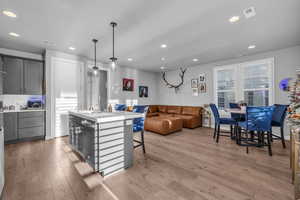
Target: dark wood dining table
235,111
242,112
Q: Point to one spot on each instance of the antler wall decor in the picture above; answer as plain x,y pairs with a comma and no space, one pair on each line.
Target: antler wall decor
176,87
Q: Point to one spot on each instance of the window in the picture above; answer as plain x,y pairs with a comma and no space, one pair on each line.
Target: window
250,82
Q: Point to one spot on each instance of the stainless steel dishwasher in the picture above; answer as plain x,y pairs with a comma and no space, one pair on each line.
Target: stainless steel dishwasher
84,138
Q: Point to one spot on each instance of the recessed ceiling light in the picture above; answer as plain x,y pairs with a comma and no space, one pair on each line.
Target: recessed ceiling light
72,48
9,13
234,19
251,46
163,46
195,59
129,59
14,34
163,59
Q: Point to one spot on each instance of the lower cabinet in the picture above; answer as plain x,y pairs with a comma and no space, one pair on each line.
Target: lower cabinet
23,126
10,127
31,132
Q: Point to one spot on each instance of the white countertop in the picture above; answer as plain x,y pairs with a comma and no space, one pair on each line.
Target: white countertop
29,110
101,117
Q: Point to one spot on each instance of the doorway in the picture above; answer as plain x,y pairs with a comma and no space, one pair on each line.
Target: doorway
97,90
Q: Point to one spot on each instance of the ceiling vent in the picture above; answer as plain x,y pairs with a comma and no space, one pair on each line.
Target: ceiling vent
249,12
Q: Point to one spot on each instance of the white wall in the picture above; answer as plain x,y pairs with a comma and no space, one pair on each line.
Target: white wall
114,81
141,78
286,62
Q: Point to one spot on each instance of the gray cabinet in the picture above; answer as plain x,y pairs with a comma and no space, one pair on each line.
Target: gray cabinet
31,132
22,76
10,127
31,124
2,73
23,126
33,77
13,79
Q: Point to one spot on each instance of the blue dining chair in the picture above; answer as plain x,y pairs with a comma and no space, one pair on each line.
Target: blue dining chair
258,119
120,107
278,121
138,124
221,121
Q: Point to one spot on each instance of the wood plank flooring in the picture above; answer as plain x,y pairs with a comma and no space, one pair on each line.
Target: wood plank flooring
184,165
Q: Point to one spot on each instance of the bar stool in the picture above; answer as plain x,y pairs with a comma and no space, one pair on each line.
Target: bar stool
138,125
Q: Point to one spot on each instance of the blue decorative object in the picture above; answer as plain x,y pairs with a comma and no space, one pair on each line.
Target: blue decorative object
36,101
284,84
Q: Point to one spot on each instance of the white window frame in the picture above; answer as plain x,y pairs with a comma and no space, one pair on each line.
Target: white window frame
239,79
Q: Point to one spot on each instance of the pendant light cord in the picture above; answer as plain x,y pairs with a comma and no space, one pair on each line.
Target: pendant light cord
113,24
113,41
95,53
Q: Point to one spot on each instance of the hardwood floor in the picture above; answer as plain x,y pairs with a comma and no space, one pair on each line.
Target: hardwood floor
184,165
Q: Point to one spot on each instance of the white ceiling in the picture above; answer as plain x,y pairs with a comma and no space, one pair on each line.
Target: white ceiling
191,28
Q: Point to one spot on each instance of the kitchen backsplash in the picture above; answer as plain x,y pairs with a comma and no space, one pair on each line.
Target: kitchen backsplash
17,100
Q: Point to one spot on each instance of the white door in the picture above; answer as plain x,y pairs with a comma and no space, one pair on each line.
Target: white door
67,92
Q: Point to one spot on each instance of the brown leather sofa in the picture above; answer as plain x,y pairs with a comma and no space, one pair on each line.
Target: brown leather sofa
165,119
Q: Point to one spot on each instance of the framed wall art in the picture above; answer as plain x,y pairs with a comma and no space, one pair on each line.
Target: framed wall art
194,83
202,78
143,91
128,84
202,87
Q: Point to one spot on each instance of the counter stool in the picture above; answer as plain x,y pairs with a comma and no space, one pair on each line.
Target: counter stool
138,125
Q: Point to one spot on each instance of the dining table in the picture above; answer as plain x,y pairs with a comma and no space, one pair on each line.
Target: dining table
236,111
241,112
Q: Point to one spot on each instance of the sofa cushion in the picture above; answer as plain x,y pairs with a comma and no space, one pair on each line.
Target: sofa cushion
165,115
120,107
152,114
163,126
162,109
174,109
153,109
140,108
190,121
187,110
129,108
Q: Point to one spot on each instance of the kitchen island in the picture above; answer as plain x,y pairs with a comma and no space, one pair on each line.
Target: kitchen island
103,139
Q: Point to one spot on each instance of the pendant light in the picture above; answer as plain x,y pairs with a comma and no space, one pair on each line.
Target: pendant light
95,68
113,58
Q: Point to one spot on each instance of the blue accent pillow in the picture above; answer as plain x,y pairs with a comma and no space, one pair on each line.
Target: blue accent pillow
120,107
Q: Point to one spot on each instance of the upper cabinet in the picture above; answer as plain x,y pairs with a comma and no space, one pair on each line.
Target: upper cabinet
33,77
1,75
22,76
13,79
